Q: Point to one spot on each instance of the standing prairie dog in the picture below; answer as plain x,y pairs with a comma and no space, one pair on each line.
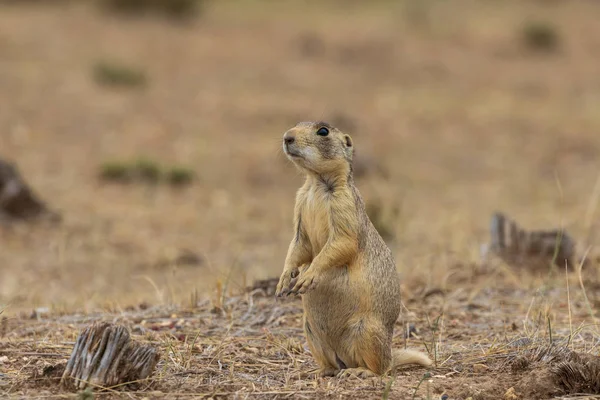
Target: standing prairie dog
339,263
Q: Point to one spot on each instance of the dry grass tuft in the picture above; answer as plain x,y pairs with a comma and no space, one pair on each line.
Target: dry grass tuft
541,36
145,170
111,74
176,9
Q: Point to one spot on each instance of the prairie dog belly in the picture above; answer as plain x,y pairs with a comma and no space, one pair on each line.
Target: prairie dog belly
334,301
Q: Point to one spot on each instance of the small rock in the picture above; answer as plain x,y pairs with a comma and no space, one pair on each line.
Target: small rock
511,394
3,359
190,258
480,368
54,371
411,331
39,312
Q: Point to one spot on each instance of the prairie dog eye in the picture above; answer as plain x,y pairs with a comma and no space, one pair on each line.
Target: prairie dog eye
323,131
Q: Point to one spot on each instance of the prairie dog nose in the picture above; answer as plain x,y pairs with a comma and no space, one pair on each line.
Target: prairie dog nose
289,138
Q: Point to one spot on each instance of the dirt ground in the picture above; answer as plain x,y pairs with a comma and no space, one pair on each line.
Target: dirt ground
445,97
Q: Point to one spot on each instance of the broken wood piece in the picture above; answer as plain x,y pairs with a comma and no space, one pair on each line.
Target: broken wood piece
538,248
17,200
105,356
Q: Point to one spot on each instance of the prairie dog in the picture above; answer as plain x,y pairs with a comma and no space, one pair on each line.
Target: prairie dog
339,263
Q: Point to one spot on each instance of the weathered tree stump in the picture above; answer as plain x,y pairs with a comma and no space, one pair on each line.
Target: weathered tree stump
105,356
534,249
558,369
17,200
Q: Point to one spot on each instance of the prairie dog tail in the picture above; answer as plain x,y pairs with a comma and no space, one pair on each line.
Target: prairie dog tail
406,356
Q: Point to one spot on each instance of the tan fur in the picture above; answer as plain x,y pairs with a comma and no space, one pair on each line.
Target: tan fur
339,263
407,356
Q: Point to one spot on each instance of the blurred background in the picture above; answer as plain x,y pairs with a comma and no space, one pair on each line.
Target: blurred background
154,127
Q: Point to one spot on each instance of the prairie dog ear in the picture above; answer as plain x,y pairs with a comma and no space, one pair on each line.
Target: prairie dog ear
348,147
348,141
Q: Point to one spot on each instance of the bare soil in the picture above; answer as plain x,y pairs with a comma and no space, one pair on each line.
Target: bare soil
444,97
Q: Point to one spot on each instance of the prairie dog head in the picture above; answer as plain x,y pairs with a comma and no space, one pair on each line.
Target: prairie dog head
319,147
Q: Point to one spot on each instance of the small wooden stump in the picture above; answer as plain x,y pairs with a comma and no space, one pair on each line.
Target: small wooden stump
557,370
17,200
105,356
535,249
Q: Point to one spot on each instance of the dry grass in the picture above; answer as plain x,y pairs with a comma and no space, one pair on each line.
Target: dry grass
446,96
251,346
